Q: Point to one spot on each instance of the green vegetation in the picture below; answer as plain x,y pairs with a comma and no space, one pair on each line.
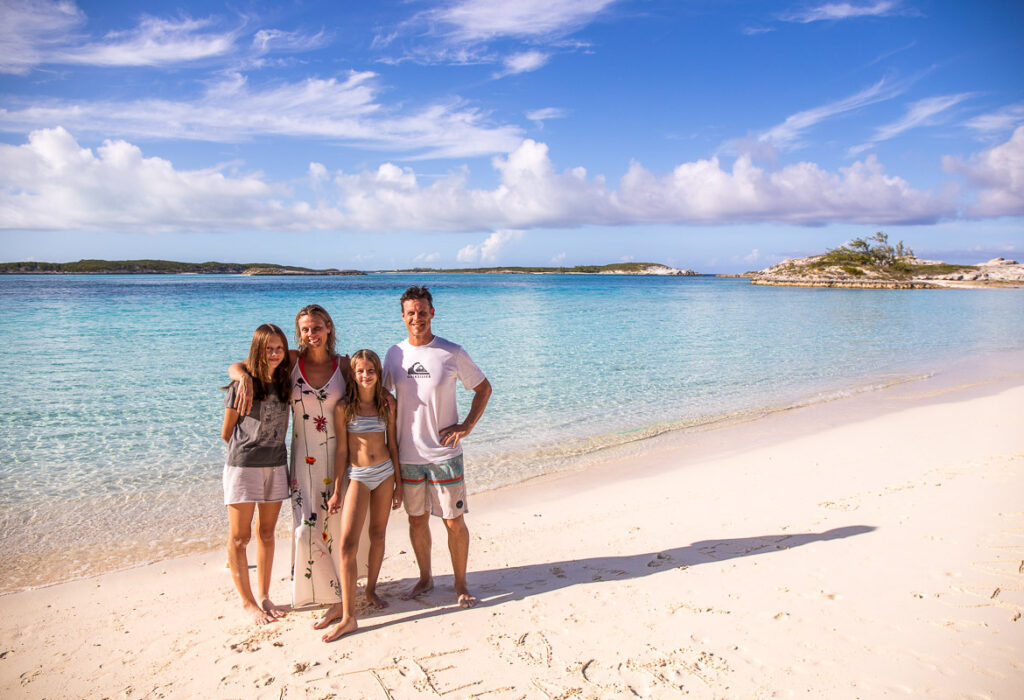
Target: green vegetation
941,269
874,255
874,252
160,267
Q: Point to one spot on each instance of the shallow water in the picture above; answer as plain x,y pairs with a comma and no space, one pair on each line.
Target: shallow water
109,442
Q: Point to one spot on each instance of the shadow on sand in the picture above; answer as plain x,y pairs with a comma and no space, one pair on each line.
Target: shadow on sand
497,586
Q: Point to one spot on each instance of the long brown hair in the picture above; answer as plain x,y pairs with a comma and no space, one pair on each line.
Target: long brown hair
264,380
315,310
351,400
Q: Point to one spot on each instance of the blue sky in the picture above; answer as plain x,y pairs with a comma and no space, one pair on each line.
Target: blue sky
714,135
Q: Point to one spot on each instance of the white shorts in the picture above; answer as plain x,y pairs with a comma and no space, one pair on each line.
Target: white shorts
255,484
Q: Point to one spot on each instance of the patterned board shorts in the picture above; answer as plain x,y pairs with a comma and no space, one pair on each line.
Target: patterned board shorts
441,485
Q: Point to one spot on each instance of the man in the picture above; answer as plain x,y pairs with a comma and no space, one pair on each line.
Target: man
422,371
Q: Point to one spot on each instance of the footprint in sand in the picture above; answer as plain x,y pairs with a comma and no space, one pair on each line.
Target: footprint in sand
660,559
531,647
253,640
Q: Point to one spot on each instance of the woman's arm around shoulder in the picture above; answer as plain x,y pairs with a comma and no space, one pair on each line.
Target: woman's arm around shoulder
243,393
345,366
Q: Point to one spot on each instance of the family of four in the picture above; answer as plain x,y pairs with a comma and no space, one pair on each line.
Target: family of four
366,437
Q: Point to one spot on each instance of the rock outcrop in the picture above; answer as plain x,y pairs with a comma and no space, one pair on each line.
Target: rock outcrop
650,270
916,274
995,270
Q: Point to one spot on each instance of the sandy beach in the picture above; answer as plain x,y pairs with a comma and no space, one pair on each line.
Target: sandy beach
862,548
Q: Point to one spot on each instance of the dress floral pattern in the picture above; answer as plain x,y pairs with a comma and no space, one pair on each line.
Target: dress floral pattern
315,568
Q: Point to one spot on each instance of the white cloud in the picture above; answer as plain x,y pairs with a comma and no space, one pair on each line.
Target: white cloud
842,10
427,258
153,42
542,115
920,113
787,134
559,258
524,62
1002,120
999,175
483,20
466,32
490,249
51,182
266,40
29,29
37,33
317,172
52,32
346,110
801,193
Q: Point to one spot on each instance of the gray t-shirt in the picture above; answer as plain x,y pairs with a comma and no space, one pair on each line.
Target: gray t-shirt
258,440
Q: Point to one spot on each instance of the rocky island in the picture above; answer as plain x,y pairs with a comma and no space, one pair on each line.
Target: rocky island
874,264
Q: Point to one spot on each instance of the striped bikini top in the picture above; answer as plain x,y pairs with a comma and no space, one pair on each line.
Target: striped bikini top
367,424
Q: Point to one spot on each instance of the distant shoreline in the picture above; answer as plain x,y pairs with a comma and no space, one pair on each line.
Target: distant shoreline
170,267
160,267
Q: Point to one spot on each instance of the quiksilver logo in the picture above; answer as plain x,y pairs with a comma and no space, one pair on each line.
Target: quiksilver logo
418,370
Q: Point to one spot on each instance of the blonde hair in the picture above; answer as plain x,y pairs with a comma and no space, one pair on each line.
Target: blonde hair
351,400
315,310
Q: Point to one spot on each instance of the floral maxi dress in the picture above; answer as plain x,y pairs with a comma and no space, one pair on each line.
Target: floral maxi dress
315,568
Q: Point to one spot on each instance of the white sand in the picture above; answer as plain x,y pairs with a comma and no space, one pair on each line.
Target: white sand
865,548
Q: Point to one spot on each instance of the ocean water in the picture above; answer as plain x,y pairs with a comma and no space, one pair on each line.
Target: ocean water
110,452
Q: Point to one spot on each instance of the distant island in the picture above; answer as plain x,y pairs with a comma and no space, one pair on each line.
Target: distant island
630,268
169,267
160,267
873,263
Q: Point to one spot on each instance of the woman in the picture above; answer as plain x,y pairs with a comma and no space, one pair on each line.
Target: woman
318,381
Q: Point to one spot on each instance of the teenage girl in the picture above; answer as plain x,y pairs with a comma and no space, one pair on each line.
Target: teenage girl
366,448
256,471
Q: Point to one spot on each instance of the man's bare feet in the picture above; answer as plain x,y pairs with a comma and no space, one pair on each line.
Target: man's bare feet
342,628
259,615
466,599
376,601
422,586
333,613
271,609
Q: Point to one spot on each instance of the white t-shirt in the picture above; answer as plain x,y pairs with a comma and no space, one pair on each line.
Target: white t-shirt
423,380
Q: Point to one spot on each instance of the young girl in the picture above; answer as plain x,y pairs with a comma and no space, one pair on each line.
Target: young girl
256,471
365,425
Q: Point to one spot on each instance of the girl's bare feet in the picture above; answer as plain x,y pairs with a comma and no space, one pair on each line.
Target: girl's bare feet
342,628
376,601
259,615
271,609
333,613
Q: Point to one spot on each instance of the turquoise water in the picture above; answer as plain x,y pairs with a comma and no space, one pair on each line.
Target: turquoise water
109,439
